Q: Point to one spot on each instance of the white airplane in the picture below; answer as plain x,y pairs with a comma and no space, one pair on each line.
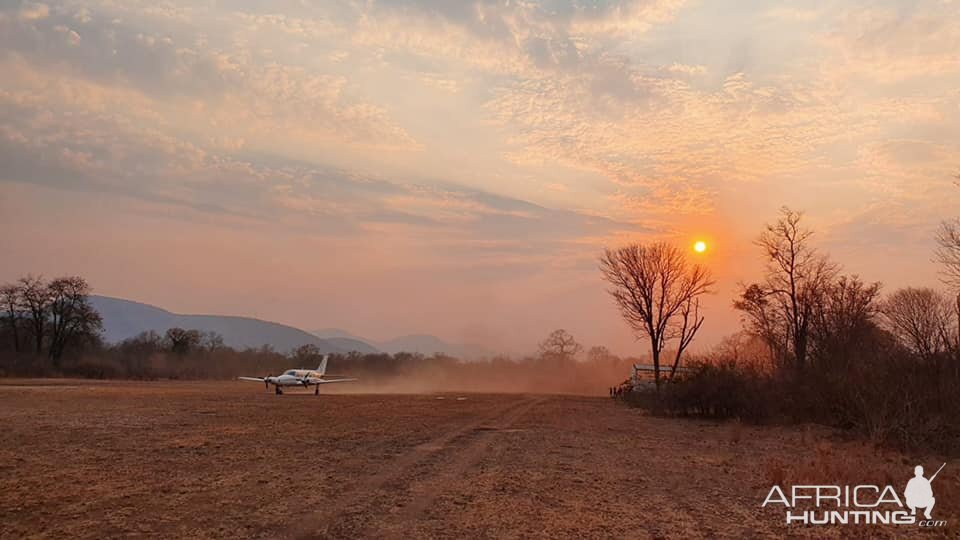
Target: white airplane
298,377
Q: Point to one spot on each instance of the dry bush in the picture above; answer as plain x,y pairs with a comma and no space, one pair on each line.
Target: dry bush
723,390
25,364
882,392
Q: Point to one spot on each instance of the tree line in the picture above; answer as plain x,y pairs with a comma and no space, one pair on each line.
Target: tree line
806,309
50,328
49,318
816,344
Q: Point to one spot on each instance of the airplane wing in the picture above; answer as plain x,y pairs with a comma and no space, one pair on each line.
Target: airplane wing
327,381
258,379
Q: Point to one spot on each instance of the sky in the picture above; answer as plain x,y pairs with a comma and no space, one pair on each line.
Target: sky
457,168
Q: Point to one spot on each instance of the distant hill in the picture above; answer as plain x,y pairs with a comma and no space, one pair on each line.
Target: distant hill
427,344
355,345
124,319
327,333
345,340
415,343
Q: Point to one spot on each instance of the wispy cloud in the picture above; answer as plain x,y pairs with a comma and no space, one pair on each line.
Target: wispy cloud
453,137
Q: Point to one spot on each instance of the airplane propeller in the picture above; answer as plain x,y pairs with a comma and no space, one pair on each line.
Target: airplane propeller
266,382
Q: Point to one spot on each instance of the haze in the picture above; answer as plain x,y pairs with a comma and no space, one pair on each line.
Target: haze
457,168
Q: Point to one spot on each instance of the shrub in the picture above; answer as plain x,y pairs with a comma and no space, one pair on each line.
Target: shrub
886,394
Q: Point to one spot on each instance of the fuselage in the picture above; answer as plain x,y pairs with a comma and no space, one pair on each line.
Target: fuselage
294,377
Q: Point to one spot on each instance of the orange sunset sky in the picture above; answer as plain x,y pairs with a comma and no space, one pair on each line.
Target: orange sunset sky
456,168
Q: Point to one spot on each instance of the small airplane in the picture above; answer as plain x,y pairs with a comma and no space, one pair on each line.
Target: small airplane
298,377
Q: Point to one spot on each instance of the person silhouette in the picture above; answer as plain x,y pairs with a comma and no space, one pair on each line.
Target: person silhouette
919,494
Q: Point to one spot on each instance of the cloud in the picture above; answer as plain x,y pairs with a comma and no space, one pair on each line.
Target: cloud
687,69
891,45
72,137
663,141
32,11
499,142
447,85
794,14
508,38
236,88
554,80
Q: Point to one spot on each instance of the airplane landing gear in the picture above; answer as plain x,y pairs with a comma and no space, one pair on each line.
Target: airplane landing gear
279,391
316,390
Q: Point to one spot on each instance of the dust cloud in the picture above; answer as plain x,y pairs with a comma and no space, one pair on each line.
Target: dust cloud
539,376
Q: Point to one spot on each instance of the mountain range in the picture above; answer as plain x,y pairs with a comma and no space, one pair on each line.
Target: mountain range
123,319
417,343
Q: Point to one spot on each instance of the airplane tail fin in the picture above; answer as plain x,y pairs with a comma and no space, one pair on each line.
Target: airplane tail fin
323,365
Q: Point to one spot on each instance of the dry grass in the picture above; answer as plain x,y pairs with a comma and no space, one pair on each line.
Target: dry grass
228,460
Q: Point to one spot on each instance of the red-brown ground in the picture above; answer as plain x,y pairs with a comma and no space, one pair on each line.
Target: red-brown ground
194,460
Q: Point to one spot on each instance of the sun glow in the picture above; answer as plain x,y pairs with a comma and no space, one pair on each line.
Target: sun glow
700,246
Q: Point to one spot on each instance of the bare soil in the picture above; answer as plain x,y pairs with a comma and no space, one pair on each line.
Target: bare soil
81,459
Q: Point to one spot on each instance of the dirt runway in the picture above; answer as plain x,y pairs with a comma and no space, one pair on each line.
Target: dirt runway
228,460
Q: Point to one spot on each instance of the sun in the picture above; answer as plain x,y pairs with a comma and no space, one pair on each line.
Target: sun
700,246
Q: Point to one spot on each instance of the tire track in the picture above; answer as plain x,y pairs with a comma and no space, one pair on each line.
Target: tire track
364,493
426,489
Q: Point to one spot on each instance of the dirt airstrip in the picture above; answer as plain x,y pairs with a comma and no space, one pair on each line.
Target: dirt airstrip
83,459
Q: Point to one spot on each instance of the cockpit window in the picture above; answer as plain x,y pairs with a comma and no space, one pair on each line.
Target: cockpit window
291,372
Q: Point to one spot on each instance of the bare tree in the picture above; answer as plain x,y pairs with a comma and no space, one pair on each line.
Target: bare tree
686,329
211,341
72,318
921,319
948,254
36,302
306,354
844,317
948,251
763,319
182,341
796,278
560,345
657,291
11,301
599,355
